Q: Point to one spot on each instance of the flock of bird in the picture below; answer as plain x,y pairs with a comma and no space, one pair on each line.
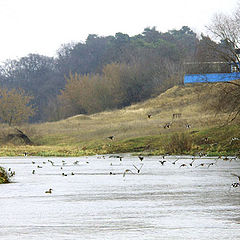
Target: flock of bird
136,168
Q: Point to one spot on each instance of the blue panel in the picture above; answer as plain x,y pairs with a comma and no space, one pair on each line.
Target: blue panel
211,77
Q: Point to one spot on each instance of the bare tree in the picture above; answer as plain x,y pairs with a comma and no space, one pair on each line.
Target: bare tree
225,29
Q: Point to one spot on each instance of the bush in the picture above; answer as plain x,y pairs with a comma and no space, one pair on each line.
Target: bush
178,143
4,178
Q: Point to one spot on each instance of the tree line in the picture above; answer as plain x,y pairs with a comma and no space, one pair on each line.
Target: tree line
103,72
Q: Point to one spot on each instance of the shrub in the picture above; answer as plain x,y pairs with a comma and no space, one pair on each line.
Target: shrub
178,143
4,178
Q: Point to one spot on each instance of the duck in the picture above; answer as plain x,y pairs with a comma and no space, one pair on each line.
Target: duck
49,191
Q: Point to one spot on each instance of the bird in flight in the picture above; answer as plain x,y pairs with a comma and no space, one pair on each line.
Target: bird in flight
236,176
175,161
211,164
162,162
183,165
191,163
127,171
200,165
236,184
138,169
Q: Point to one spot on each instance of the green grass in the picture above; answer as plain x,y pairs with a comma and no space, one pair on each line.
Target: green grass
133,131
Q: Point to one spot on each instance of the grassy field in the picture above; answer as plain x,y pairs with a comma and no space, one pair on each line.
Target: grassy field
134,131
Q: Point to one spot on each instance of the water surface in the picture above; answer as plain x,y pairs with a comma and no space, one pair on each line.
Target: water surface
161,202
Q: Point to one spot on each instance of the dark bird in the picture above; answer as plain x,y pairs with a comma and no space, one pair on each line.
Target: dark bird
206,139
191,163
127,171
167,125
149,115
49,191
138,169
25,154
227,159
76,162
140,157
39,166
51,162
12,173
235,185
200,165
188,125
201,154
236,176
33,171
63,174
211,164
111,137
183,165
9,169
120,158
175,161
72,173
162,162
111,173
33,162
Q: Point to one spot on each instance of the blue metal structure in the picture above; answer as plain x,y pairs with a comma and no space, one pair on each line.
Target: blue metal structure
211,77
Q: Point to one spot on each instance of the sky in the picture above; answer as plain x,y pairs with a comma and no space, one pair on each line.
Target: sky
42,26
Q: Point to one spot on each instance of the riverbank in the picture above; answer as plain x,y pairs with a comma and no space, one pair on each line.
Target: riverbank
178,121
214,141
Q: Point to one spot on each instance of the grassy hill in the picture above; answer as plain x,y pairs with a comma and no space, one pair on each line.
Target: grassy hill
134,131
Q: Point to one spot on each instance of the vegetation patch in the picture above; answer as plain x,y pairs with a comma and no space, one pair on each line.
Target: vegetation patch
4,178
178,143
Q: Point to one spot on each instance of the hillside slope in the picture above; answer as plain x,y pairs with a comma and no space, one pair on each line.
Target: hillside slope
133,121
90,132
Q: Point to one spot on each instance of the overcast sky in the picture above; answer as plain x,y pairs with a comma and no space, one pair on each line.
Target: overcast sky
41,26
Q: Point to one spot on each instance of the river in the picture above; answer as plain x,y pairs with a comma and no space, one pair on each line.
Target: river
92,199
